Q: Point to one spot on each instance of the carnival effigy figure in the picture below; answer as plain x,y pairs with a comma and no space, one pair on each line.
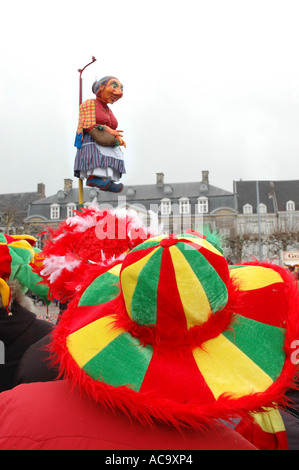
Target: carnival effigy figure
99,158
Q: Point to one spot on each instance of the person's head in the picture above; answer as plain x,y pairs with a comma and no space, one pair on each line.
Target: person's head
14,288
108,89
18,259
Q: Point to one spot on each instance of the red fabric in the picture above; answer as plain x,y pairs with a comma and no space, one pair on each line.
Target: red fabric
272,312
5,258
48,416
263,440
171,317
184,379
104,117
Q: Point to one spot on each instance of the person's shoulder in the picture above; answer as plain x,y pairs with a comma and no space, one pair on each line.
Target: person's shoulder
57,415
87,103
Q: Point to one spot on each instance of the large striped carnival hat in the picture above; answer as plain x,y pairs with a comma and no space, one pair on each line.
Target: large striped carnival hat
175,334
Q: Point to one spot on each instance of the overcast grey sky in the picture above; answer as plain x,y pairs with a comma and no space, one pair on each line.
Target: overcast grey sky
208,85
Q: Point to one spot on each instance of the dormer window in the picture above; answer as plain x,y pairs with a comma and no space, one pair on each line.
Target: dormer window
71,207
54,211
247,209
290,206
184,205
203,205
262,208
165,206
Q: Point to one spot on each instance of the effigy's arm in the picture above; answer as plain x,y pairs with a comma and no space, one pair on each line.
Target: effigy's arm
115,132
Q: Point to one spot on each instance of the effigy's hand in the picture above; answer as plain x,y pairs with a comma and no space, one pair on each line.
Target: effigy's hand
114,132
117,133
121,141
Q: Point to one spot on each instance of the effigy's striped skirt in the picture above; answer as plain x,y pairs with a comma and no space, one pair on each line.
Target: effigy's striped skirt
91,156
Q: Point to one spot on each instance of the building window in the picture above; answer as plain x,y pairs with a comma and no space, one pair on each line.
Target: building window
203,205
165,207
290,206
55,211
70,210
184,206
262,208
247,209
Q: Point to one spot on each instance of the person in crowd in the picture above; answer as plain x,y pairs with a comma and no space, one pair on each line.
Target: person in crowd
19,325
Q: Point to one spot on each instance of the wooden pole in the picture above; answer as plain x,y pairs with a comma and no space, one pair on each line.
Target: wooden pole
80,189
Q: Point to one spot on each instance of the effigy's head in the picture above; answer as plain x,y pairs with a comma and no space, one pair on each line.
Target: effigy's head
108,89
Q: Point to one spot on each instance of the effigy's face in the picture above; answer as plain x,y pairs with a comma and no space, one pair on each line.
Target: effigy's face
111,92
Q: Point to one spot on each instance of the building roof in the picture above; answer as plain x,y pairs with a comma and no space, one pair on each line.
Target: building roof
17,204
147,195
274,194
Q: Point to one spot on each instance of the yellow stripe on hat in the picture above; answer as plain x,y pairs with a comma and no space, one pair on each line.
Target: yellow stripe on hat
270,421
158,238
24,245
115,270
226,368
85,343
4,292
202,242
129,279
194,299
255,277
28,238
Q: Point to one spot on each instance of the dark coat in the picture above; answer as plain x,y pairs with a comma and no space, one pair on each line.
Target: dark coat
36,364
18,332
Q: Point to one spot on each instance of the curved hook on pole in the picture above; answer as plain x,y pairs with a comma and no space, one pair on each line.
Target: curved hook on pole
93,60
80,80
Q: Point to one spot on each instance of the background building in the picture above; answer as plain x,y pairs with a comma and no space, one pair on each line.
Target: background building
268,218
257,219
178,205
14,209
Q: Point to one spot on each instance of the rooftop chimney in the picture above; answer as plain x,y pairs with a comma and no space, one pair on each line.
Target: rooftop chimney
68,184
205,177
41,190
160,180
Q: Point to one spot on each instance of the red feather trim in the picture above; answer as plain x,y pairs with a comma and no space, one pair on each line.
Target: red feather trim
94,236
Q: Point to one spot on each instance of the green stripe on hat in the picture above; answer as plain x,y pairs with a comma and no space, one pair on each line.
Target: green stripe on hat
144,307
146,244
262,343
231,266
122,362
3,238
103,289
210,280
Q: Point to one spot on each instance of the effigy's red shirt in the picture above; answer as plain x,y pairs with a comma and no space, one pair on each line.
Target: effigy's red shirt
104,116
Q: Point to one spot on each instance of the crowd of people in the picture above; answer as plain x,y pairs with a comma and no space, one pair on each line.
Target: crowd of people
160,344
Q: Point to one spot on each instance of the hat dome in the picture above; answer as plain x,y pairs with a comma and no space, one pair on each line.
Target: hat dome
183,278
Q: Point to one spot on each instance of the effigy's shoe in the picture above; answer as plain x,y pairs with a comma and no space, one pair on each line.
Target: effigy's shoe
98,182
115,188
